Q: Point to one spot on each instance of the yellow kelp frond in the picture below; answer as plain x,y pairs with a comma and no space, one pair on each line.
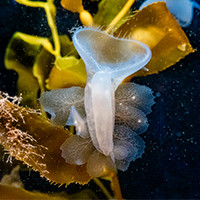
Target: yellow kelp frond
72,5
31,139
76,6
45,62
66,71
31,57
20,56
67,47
108,10
157,28
42,67
50,10
120,15
8,193
71,72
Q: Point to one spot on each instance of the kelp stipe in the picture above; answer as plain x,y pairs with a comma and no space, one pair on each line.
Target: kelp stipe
109,61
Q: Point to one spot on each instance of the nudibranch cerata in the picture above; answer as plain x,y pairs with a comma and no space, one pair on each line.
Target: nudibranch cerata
108,117
181,9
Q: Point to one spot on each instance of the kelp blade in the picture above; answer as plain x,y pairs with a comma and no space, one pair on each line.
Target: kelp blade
33,140
20,56
72,5
69,70
71,73
31,57
42,66
156,27
8,192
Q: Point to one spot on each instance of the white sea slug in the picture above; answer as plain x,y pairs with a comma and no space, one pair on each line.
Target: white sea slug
108,61
108,118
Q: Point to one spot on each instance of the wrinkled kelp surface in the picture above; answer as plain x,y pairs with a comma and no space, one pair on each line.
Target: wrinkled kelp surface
36,142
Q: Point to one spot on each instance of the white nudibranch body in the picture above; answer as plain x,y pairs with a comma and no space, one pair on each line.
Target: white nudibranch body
109,61
108,118
181,9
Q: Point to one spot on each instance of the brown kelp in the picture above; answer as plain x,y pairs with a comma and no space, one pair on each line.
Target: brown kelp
157,28
33,140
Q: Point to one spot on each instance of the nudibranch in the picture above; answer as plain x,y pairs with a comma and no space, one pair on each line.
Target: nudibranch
108,117
181,9
108,62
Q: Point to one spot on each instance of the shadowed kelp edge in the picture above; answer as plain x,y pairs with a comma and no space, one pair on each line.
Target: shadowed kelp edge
45,154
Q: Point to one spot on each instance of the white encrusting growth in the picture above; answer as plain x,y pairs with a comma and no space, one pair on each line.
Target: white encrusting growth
182,10
106,116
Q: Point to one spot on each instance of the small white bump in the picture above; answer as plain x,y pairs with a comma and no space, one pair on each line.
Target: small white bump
133,97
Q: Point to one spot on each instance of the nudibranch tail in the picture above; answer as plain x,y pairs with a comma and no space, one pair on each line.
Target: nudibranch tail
196,5
182,10
100,111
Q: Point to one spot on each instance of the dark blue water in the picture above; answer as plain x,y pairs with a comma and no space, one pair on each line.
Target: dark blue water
170,166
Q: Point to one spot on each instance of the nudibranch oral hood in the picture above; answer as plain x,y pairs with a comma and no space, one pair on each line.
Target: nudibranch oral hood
109,61
102,52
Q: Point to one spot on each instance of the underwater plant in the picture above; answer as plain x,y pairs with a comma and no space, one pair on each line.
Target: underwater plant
11,187
86,93
181,9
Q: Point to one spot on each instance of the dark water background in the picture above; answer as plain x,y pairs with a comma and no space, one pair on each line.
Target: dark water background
170,166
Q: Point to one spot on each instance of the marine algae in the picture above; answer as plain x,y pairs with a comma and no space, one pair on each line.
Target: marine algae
9,192
33,140
156,27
